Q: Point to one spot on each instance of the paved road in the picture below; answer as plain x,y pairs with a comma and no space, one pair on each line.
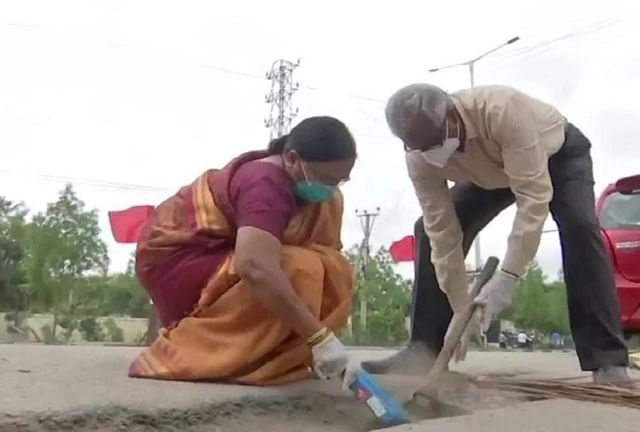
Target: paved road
543,416
42,378
45,379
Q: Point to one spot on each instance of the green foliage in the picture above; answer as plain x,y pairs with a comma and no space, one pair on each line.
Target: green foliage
91,329
57,263
540,305
118,294
12,278
64,245
387,297
557,306
13,295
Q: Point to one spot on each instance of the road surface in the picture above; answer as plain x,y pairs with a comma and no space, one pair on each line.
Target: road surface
86,388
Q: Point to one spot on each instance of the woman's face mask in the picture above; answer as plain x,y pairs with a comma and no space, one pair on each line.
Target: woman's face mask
313,191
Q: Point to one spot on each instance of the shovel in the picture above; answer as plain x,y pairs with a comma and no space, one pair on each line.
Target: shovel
426,396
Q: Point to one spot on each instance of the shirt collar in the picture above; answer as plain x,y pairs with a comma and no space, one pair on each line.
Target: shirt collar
471,132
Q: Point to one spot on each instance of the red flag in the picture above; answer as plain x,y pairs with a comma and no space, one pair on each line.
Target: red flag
403,250
127,224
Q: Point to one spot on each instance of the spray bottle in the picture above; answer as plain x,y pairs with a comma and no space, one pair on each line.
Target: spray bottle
380,402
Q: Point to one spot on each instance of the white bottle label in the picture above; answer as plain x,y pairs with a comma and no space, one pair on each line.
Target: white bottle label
376,406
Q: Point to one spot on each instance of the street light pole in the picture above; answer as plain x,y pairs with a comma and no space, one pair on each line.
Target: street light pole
471,66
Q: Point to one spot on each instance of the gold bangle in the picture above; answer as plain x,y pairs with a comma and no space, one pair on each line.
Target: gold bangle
318,336
311,340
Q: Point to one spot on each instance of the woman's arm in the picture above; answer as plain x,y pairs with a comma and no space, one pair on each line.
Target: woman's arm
258,262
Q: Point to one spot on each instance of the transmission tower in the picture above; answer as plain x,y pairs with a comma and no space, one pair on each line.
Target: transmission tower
282,89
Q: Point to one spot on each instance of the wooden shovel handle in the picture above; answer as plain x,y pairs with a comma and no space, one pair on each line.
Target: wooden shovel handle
457,327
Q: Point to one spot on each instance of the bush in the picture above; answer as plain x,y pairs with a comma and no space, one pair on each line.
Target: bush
91,330
114,333
388,298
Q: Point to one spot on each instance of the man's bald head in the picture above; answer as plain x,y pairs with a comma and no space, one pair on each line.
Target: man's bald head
418,112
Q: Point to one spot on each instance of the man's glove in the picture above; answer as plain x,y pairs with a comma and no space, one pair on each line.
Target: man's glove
496,296
330,358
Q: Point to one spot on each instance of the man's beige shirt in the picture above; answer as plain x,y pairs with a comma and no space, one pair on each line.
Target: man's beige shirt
509,139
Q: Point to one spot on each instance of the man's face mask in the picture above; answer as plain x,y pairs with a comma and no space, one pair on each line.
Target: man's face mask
313,191
440,155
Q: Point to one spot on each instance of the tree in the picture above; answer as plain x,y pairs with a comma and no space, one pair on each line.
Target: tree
64,245
529,306
13,295
12,219
91,330
388,301
56,262
539,305
118,294
557,306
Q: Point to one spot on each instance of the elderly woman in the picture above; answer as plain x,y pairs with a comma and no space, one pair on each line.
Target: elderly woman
244,265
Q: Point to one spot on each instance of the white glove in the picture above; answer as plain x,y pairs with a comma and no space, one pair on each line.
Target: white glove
473,331
330,358
350,375
496,296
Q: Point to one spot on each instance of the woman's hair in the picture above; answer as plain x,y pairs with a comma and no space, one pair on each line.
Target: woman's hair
317,139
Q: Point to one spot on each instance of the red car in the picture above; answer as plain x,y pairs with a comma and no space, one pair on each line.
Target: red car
618,210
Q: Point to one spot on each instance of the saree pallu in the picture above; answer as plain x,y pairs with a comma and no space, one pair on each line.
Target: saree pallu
230,336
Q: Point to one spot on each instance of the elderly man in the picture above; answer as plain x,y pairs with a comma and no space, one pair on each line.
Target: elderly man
501,146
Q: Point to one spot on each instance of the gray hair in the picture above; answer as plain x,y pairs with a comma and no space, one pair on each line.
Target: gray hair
405,104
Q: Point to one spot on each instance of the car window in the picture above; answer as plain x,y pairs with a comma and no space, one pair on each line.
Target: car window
621,212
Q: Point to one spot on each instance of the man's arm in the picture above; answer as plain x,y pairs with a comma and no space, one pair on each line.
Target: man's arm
526,163
443,230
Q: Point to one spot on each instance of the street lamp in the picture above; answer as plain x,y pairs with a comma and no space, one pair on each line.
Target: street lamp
471,65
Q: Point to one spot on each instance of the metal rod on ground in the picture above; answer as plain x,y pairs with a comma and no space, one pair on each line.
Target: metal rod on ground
367,219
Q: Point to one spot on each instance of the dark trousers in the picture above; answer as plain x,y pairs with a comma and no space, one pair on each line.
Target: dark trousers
593,303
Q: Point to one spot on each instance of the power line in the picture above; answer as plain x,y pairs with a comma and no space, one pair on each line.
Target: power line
307,87
347,95
231,71
510,56
549,44
507,57
100,184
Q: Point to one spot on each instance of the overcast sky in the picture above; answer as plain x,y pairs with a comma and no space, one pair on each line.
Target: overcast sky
130,100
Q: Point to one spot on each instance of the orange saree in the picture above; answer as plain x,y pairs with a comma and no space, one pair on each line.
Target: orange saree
230,336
